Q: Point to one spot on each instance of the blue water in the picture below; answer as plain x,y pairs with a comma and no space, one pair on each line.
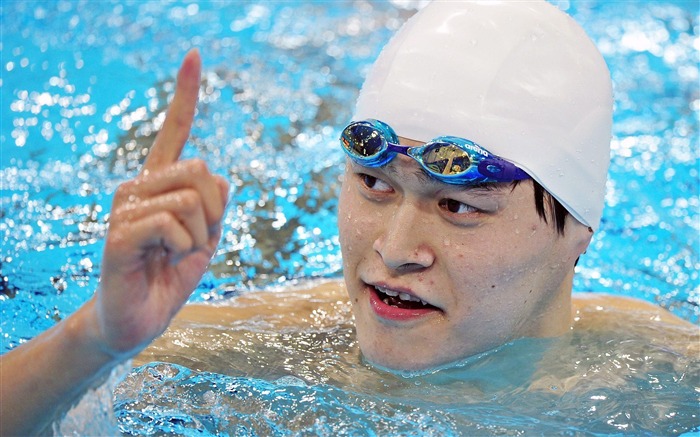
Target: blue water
84,86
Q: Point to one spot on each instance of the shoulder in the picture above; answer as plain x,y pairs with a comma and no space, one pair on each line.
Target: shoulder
587,303
285,305
634,318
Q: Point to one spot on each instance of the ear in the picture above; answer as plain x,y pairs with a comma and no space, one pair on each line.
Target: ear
579,236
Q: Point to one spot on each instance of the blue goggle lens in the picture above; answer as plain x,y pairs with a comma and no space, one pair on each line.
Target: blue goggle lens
445,159
362,140
452,160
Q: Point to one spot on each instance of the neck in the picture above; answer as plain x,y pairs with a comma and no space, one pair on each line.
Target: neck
555,319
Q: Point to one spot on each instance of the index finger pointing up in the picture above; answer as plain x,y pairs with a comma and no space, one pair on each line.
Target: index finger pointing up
173,135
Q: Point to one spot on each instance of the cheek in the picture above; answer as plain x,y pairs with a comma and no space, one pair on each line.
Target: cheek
498,259
357,223
479,265
345,212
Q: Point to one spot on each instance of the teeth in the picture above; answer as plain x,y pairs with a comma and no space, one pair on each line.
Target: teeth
406,296
390,292
402,296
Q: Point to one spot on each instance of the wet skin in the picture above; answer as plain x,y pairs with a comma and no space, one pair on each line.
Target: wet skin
487,266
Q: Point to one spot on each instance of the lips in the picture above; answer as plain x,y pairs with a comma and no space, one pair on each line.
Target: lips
393,304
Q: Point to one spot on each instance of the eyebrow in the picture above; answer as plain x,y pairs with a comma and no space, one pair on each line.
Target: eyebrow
418,172
481,188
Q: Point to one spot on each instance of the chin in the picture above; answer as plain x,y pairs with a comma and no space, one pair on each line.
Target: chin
397,365
414,356
412,367
403,360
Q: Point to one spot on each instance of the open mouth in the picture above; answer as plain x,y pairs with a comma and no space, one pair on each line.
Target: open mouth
402,300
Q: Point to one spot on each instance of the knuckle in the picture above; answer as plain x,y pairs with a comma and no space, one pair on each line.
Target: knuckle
164,222
180,127
188,200
125,211
115,237
197,166
123,191
181,119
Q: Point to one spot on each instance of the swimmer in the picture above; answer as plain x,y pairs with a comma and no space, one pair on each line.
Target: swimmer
438,266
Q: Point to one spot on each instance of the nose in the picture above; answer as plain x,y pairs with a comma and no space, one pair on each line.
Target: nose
403,243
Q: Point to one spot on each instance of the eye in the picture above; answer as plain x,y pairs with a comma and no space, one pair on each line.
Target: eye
456,207
374,183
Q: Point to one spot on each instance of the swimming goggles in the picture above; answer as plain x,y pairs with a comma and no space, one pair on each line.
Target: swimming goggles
452,160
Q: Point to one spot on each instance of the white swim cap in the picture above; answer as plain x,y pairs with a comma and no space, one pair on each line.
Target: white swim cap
520,78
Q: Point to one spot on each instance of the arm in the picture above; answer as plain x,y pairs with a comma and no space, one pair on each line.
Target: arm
164,228
42,379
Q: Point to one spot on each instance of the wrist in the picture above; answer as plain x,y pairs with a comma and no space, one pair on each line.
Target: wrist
86,339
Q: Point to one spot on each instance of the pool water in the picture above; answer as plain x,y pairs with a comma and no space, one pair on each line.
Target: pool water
83,90
266,376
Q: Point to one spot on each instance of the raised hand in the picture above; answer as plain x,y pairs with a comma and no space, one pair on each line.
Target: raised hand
164,228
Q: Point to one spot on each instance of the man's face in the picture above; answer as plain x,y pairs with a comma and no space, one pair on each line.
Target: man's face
437,272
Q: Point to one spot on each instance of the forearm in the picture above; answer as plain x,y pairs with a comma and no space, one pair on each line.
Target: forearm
42,379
